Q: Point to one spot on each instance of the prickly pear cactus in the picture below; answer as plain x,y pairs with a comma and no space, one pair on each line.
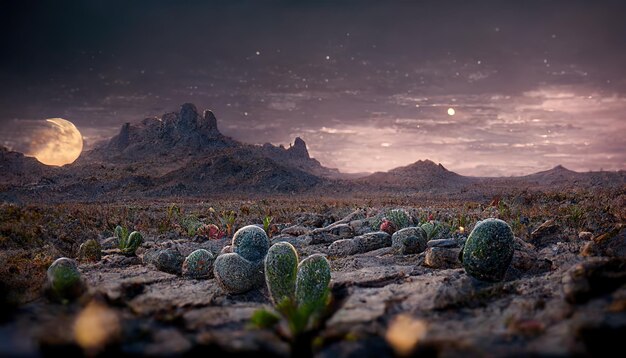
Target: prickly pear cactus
281,269
64,279
489,250
251,242
90,250
312,283
199,264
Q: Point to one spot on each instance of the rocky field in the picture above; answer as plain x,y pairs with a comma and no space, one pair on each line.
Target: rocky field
397,292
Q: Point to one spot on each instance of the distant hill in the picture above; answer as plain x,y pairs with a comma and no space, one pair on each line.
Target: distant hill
18,169
419,175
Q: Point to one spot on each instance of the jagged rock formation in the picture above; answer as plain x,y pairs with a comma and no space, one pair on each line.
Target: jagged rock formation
174,134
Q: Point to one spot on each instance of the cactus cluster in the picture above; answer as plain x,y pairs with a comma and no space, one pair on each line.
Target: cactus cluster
300,292
431,228
241,269
128,243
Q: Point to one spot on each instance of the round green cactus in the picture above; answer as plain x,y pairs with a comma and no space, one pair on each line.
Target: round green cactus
281,269
251,242
489,250
64,279
90,250
312,282
237,275
199,264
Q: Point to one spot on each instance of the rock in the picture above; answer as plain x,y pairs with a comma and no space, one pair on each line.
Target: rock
443,257
594,278
547,234
343,231
611,244
360,244
322,237
236,274
411,240
526,260
110,243
168,260
585,235
251,242
90,250
489,250
64,279
296,230
360,227
443,243
199,264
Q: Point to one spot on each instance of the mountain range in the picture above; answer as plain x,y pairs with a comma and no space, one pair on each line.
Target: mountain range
184,154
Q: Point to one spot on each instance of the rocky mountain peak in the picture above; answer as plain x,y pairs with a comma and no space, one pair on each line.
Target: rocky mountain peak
298,149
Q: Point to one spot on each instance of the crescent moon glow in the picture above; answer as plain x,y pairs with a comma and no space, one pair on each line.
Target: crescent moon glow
63,143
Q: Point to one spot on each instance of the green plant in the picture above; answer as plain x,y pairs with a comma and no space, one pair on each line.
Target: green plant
128,243
191,224
399,217
228,220
300,294
576,216
267,220
431,228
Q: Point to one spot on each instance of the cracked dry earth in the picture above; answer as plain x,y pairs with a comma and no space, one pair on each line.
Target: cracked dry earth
553,302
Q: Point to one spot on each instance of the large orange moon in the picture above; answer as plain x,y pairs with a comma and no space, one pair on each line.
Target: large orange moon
61,142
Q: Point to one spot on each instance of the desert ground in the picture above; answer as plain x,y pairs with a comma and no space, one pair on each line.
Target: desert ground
563,294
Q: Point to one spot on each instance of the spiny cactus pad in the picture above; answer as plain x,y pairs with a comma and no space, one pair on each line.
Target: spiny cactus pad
236,274
131,244
489,250
199,264
312,282
281,269
251,242
64,278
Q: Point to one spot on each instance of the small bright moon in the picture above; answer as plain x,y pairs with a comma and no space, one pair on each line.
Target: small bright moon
61,141
451,112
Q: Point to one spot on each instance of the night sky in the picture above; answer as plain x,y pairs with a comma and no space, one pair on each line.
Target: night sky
367,84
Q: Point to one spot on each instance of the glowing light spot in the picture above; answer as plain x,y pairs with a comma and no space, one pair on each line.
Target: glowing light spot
328,57
404,334
451,112
258,53
386,145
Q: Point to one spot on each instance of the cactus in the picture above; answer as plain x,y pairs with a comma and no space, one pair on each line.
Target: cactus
299,292
281,269
489,250
241,269
400,218
312,283
431,228
388,227
90,250
128,243
64,279
251,242
199,264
